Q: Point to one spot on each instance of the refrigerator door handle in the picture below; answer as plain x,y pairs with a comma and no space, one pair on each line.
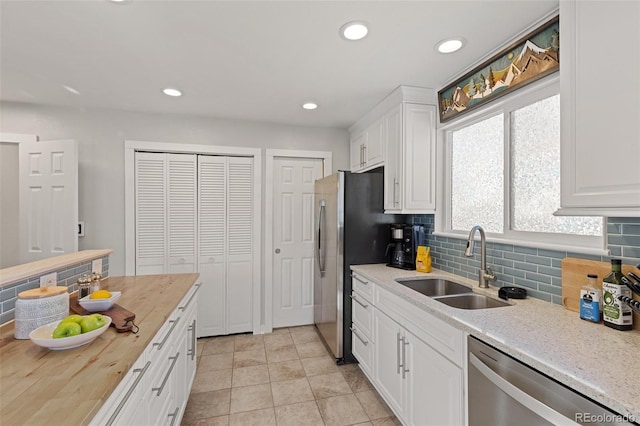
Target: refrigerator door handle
318,235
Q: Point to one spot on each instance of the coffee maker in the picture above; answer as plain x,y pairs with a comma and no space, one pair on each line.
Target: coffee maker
404,245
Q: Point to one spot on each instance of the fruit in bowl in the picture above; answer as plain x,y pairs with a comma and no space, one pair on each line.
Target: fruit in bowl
60,334
103,300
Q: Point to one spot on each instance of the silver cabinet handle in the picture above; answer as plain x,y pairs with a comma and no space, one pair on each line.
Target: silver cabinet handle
398,340
396,184
543,410
365,154
358,302
173,359
354,276
183,308
192,352
405,370
355,333
129,392
173,325
174,416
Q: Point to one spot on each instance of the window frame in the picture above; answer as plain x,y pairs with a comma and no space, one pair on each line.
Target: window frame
534,92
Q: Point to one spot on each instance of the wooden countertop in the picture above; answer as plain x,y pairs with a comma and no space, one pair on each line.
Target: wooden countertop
39,386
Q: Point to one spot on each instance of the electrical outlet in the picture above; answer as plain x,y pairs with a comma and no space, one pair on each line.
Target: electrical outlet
96,266
49,280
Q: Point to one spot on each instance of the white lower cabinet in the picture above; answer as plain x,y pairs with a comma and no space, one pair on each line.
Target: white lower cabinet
415,361
156,390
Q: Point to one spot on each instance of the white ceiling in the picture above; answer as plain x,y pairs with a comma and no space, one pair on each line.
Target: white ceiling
249,60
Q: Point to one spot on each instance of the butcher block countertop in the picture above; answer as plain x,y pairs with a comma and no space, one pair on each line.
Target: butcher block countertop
68,387
592,359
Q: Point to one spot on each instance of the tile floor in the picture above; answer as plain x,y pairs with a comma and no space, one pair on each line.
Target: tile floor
283,378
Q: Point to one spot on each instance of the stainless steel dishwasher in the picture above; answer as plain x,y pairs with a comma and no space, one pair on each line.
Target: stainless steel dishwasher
503,391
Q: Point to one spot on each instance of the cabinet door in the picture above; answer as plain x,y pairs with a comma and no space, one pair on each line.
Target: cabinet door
600,125
356,151
150,208
419,172
212,217
239,245
374,147
389,339
393,159
435,386
181,213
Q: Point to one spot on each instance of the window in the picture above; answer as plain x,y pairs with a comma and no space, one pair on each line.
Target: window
503,173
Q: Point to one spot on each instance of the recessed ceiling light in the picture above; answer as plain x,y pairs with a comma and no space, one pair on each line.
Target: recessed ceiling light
450,45
172,92
121,1
71,90
310,105
354,30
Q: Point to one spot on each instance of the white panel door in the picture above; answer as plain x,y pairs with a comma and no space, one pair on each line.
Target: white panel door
182,213
293,239
48,199
239,244
150,212
212,200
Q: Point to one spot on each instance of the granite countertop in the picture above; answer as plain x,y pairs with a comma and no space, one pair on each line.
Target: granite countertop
590,358
39,386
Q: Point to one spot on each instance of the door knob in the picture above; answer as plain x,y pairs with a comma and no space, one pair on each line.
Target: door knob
277,251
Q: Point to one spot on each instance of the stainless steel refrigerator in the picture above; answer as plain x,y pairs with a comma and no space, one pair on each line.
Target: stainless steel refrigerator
351,228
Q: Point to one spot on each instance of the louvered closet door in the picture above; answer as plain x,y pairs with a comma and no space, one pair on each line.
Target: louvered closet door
239,244
212,190
150,212
181,213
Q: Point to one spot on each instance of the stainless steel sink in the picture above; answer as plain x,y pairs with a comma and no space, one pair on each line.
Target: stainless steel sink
471,301
434,287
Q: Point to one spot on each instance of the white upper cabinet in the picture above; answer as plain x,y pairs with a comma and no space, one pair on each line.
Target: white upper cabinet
400,134
600,107
367,147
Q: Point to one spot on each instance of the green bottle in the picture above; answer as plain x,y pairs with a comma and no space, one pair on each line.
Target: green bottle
615,313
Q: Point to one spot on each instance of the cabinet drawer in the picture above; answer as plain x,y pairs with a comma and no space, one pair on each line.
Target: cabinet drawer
162,385
362,285
362,313
362,349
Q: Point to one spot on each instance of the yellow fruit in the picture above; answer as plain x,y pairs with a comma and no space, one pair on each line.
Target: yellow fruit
100,294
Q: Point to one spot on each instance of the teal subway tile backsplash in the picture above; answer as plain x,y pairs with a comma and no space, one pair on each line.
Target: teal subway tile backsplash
539,270
67,277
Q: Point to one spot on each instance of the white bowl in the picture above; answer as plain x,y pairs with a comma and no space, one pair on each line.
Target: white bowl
98,305
43,336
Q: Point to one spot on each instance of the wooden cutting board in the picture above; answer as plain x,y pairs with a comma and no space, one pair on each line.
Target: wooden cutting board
121,319
574,276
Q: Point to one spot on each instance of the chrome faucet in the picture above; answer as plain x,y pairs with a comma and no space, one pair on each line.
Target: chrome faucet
485,274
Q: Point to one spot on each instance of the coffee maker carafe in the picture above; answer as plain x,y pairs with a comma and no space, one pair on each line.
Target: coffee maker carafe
403,247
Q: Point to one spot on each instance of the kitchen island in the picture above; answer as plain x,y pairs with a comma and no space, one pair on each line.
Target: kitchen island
39,386
589,358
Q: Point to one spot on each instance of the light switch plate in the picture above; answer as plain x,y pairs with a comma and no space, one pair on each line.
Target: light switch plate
96,266
49,280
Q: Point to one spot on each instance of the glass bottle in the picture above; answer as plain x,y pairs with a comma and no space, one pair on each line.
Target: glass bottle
615,313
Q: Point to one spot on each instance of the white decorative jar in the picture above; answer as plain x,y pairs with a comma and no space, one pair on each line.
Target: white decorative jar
38,307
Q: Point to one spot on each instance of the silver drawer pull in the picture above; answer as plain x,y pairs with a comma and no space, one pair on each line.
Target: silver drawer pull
166,377
174,416
173,325
182,308
129,392
192,352
358,302
355,333
357,278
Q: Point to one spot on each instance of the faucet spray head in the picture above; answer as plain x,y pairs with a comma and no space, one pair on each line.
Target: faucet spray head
470,246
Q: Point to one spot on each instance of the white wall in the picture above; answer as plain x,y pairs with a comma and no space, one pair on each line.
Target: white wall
101,135
9,235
